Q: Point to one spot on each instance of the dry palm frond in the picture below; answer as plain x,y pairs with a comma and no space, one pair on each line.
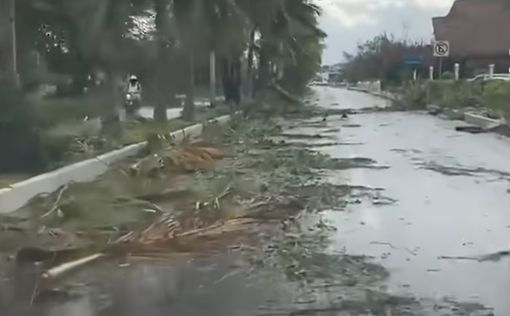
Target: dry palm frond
191,158
162,240
163,229
187,157
206,151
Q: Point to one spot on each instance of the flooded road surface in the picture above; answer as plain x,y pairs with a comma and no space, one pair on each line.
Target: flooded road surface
336,98
452,200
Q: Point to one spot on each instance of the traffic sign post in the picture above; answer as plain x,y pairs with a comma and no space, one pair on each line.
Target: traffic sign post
440,68
441,50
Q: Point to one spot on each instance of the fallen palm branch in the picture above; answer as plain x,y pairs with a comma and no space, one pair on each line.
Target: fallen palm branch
191,158
164,239
149,165
215,203
218,229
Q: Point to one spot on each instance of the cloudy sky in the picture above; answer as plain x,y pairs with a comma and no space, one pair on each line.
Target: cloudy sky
348,22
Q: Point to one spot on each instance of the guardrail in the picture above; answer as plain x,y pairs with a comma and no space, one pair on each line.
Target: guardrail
481,121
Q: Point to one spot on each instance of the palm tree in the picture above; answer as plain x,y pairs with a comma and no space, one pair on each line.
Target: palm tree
261,15
276,29
8,42
281,40
206,26
269,30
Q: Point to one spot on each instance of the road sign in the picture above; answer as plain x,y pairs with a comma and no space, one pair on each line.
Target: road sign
413,60
441,49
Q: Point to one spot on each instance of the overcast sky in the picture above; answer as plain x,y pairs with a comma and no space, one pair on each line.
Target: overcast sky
349,22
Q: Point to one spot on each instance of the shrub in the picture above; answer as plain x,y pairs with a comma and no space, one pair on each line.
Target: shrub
414,96
496,96
20,140
454,94
58,109
448,75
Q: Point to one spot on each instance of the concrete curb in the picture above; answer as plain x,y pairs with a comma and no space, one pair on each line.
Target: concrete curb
18,194
481,121
385,95
358,89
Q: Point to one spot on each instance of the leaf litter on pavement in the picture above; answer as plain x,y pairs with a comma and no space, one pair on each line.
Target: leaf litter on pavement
233,190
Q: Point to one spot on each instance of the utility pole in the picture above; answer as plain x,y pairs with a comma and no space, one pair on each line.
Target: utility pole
8,54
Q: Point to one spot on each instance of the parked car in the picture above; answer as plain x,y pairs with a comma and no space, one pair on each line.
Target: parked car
486,77
319,82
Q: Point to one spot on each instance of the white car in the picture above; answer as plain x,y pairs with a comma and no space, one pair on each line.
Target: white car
486,77
319,83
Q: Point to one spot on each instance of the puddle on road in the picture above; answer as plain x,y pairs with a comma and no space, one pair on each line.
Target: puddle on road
330,131
305,136
283,142
448,169
464,171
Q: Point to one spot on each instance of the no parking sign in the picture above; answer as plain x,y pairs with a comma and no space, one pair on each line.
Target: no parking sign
441,49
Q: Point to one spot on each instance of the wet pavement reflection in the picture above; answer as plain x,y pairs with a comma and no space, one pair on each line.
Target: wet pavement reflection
452,199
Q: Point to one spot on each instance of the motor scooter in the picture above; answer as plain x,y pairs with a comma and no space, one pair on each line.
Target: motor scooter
132,103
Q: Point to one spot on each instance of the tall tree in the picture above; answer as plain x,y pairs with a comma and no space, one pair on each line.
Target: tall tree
185,13
161,7
8,63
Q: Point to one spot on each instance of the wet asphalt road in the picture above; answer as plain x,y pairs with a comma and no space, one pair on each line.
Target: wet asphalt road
452,199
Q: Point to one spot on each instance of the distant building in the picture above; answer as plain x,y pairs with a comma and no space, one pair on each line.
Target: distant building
336,73
478,32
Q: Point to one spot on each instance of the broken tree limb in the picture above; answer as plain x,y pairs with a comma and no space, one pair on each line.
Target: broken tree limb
59,270
284,93
56,204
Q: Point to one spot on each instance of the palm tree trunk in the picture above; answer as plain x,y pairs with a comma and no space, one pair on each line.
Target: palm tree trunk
188,113
160,6
212,78
160,113
263,75
111,117
232,80
250,91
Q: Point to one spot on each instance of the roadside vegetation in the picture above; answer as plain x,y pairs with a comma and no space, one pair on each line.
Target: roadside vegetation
392,61
449,96
384,58
73,57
